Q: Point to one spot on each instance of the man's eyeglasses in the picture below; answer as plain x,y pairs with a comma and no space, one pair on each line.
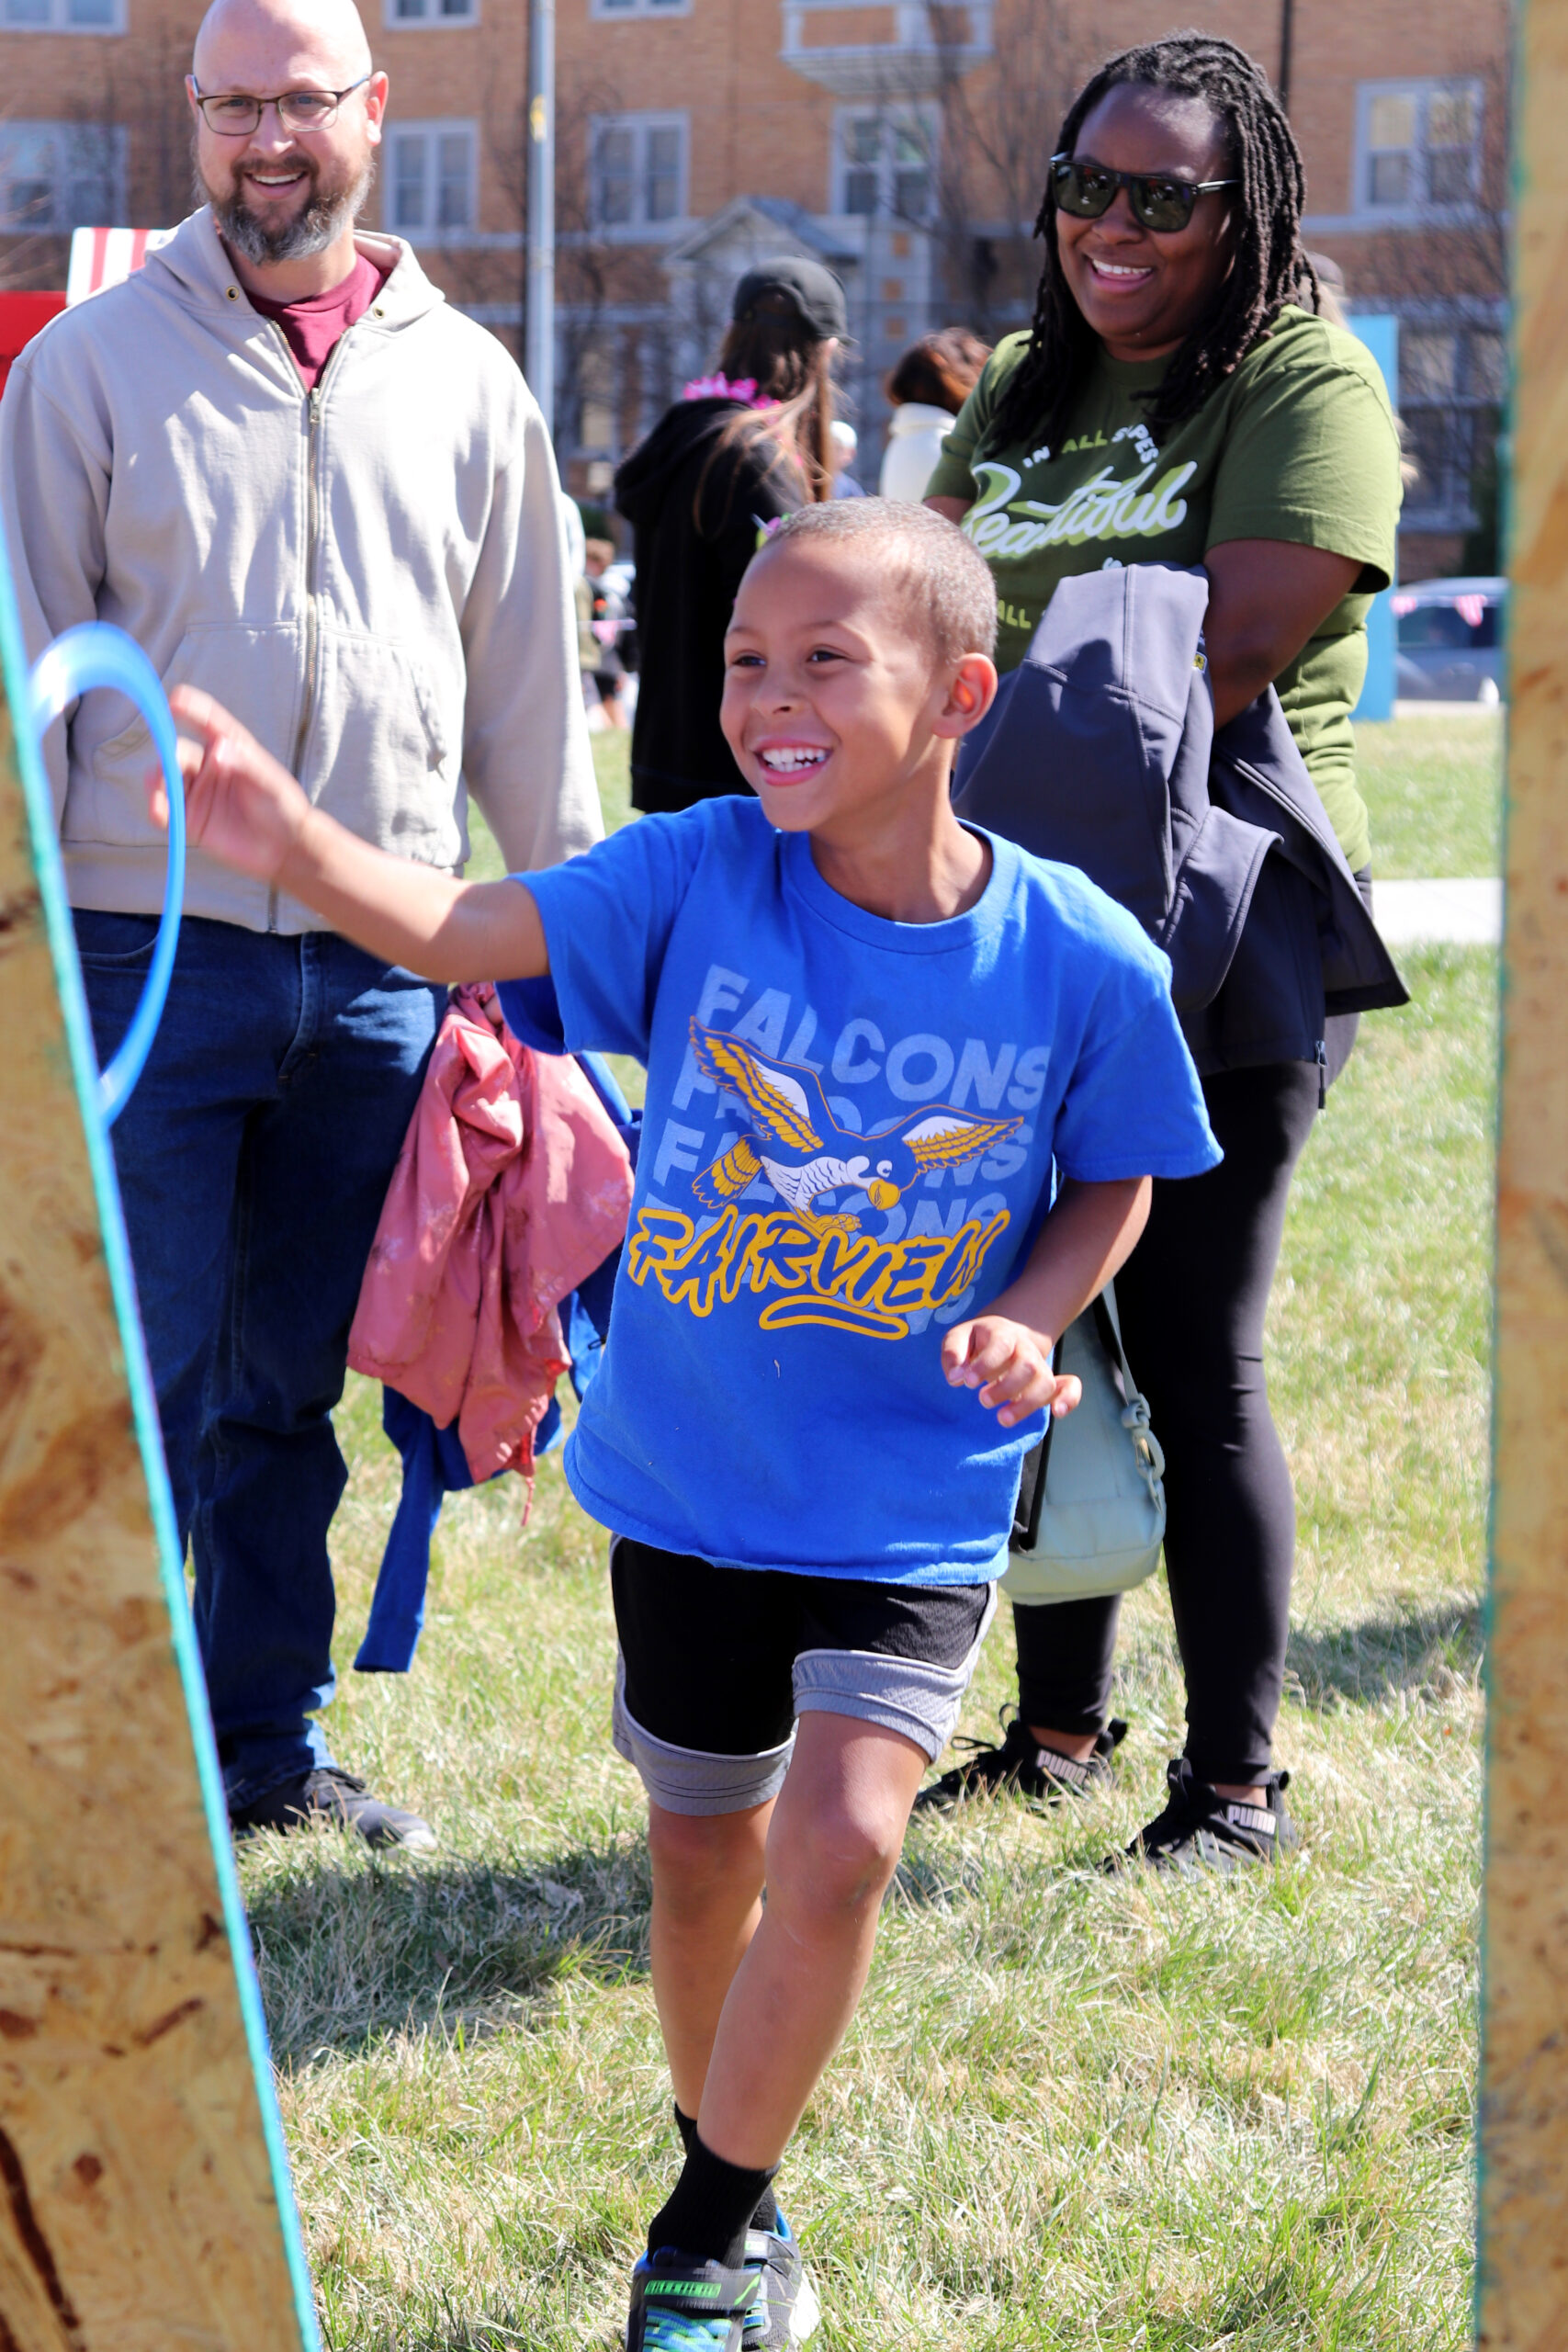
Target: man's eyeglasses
234,116
1088,190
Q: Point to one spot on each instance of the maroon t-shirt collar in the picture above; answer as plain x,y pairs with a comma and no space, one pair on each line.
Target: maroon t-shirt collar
313,326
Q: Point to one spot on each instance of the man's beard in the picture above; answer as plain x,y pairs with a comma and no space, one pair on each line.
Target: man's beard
326,213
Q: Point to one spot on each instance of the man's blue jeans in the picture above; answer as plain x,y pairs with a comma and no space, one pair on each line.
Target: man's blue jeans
253,1159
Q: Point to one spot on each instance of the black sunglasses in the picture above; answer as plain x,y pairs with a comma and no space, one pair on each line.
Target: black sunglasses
1088,190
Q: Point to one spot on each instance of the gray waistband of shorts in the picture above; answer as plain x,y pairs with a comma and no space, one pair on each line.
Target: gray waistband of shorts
690,1780
902,1694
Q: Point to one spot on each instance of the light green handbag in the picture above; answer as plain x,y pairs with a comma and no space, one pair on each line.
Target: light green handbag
1090,1515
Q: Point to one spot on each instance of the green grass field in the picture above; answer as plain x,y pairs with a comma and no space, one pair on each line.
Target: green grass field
1434,790
1073,2110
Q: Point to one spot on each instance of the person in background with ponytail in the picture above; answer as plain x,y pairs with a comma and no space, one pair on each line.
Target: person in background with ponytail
741,447
1180,397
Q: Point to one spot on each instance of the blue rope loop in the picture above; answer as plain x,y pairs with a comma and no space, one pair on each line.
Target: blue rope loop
97,655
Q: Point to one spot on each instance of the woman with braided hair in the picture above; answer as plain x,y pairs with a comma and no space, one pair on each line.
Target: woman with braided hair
1179,400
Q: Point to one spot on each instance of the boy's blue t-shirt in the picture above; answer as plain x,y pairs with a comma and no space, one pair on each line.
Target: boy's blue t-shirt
847,1146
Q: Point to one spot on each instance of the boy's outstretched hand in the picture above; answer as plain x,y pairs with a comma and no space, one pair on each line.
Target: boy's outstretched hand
241,805
1010,1366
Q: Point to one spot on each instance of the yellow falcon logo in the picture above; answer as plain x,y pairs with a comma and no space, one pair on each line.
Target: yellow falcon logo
793,1140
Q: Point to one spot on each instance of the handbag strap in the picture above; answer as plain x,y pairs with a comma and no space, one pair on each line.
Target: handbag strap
1037,1499
1134,1404
1108,1323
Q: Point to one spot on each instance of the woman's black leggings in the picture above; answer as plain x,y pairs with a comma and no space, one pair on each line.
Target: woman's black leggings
1192,1297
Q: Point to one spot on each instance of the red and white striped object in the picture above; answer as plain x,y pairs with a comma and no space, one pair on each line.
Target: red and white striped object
101,257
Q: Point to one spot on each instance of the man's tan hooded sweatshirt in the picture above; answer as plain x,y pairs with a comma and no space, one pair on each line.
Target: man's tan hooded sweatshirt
372,576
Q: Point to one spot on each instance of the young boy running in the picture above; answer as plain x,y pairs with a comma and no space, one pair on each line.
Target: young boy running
870,1034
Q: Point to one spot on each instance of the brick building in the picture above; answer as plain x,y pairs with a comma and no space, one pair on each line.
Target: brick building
901,142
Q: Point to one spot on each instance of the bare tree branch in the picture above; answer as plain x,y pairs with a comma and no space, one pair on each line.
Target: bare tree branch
998,126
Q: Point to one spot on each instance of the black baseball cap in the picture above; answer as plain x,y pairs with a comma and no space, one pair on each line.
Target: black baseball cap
815,291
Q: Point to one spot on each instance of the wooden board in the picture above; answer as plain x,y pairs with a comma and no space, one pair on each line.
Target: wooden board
1523,2285
144,2197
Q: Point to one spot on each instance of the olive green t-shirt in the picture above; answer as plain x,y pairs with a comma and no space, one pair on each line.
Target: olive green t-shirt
1298,444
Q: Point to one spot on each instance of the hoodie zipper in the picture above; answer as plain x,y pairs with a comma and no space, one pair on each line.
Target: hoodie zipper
314,404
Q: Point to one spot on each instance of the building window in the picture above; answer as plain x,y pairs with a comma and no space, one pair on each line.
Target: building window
886,166
431,178
62,15
56,175
1418,147
640,170
431,12
614,8
1451,384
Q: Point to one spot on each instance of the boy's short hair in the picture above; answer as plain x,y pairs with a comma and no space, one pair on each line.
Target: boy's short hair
939,572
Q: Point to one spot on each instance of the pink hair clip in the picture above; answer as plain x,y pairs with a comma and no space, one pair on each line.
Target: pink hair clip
718,387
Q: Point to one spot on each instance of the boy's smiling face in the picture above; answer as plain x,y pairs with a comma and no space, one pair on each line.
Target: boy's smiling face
836,699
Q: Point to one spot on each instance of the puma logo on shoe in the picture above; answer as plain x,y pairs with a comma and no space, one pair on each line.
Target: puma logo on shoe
1257,1819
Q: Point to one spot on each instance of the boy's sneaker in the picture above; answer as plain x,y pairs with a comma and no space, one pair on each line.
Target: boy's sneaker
1022,1767
1201,1830
787,2312
331,1794
679,2305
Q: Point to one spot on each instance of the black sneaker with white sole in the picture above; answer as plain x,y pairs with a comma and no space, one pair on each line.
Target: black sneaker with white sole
1020,1767
333,1795
1201,1830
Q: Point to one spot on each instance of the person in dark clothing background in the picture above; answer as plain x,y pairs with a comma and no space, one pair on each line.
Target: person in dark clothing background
741,447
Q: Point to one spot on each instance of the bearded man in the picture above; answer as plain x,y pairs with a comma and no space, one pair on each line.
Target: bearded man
300,480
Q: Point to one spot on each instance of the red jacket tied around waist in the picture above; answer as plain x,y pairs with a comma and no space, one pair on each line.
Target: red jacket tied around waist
511,1187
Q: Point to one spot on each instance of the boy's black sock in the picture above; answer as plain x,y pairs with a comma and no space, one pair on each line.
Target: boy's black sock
766,2216
710,2210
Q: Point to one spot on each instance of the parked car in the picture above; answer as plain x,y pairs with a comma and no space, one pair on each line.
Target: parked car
1450,640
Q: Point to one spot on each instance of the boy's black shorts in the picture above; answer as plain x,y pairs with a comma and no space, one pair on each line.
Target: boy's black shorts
717,1663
